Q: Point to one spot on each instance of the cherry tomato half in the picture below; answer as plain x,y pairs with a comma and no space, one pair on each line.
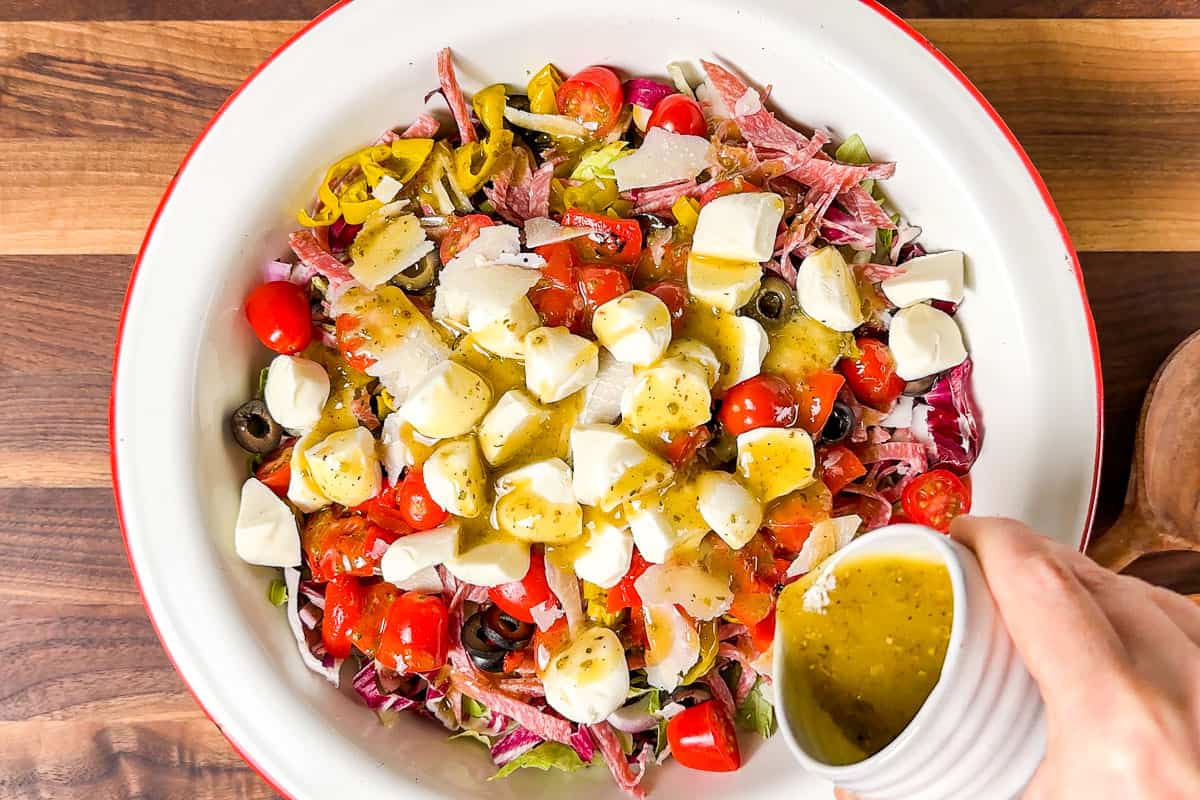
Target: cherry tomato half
463,231
612,240
350,337
279,314
340,543
678,114
759,402
598,285
816,399
790,519
675,298
384,510
702,737
681,446
377,601
518,598
593,96
415,634
624,594
936,498
344,600
872,376
276,469
840,467
556,296
416,507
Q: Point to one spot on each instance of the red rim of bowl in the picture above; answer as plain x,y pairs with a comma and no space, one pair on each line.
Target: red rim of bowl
899,23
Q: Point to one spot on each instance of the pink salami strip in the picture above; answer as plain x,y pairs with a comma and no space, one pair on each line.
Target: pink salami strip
454,96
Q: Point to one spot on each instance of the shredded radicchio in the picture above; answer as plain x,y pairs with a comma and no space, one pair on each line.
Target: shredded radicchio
514,744
308,638
952,429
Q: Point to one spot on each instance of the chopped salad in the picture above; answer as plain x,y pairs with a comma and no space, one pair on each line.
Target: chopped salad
567,389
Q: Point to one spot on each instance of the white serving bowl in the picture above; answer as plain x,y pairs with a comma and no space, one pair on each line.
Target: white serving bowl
185,357
981,732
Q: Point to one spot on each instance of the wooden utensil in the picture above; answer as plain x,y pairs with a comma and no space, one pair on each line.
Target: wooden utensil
1162,505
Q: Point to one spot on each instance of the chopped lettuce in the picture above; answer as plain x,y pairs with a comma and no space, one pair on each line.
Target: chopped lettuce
597,162
474,708
655,709
854,151
473,734
756,712
546,756
884,238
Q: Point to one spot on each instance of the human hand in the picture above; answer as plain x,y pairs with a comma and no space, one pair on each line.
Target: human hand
1117,661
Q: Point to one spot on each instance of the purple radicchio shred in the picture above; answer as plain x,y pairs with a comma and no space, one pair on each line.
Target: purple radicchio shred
511,745
955,428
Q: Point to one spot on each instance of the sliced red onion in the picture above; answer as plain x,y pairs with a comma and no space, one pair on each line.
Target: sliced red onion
565,586
315,592
645,92
278,271
511,745
633,718
545,615
310,616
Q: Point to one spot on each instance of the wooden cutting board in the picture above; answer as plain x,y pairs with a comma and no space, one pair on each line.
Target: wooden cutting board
98,102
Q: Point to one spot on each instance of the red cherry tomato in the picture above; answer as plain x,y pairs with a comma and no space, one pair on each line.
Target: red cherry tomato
612,240
816,399
548,642
681,447
384,510
702,737
872,376
341,543
348,329
415,634
598,285
840,467
759,402
518,598
733,186
790,520
762,634
593,95
377,600
624,594
678,114
276,469
344,599
675,298
463,231
416,506
279,314
936,498
556,295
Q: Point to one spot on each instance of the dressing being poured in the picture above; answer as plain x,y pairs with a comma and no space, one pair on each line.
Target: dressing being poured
865,643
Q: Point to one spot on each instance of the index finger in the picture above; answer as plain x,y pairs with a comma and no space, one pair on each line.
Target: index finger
1060,631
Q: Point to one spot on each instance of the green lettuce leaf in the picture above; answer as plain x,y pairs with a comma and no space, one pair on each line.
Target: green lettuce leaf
597,163
474,708
756,712
476,735
546,756
854,151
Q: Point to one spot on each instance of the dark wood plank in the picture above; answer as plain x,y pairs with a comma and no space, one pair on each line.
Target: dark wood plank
1144,304
294,9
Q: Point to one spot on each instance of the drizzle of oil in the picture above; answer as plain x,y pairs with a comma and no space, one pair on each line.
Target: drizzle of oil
385,318
720,331
802,346
775,465
563,555
344,382
501,374
680,502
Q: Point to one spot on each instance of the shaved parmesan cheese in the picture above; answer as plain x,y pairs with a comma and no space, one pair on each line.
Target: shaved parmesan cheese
386,190
387,245
694,589
664,157
749,103
553,124
543,230
827,537
491,243
527,260
487,291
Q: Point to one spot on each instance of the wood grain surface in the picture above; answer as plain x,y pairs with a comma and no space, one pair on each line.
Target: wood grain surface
99,101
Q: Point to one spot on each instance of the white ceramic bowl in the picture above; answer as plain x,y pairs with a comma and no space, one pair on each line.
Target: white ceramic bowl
185,358
981,732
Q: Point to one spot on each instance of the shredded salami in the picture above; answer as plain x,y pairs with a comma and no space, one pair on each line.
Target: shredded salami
871,505
520,193
720,692
423,127
660,199
317,258
610,746
748,676
454,96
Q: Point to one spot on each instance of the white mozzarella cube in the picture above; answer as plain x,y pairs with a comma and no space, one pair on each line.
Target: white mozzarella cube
739,227
558,363
752,346
448,402
936,276
656,538
606,552
537,504
672,645
672,395
722,284
611,467
589,679
303,491
402,446
925,341
506,430
266,531
296,391
345,467
495,560
729,508
635,327
503,332
775,461
826,290
700,354
456,477
409,555
426,581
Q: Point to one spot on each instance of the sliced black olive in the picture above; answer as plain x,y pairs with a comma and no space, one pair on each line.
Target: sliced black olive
773,303
504,631
920,386
254,428
721,449
418,276
841,420
486,655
